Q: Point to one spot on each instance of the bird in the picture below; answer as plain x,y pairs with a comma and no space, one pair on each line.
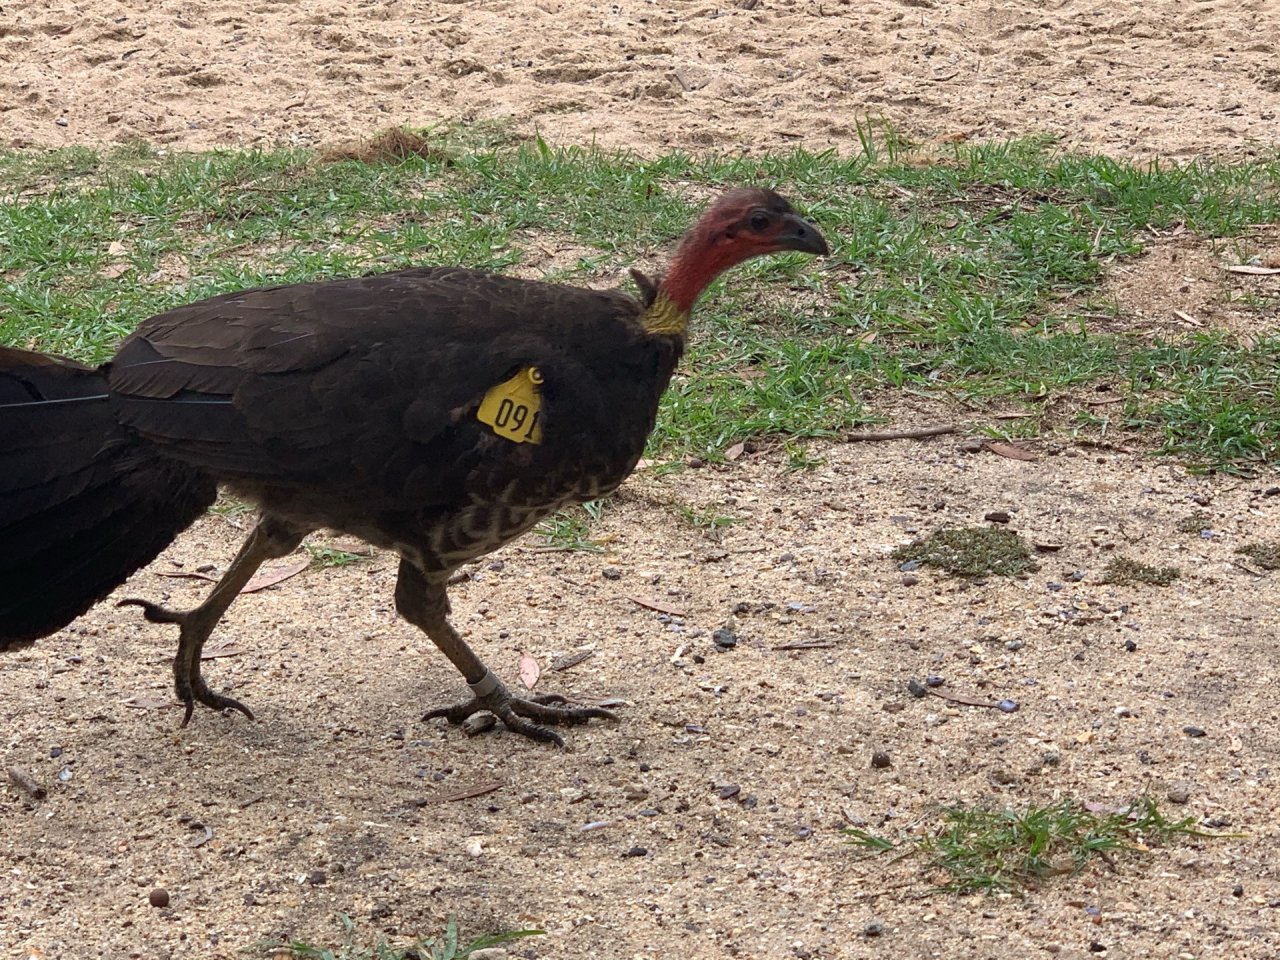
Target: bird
437,412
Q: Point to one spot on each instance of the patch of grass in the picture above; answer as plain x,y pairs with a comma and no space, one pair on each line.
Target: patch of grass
446,946
994,851
570,529
1124,571
971,552
229,506
1264,555
708,519
799,458
956,278
322,556
1194,522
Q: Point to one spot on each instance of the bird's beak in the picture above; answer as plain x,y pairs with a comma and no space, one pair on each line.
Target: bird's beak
799,234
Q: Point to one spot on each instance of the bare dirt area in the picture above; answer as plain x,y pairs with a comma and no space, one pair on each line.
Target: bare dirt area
1162,78
634,843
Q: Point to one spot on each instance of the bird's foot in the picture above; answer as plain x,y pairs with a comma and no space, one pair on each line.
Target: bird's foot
188,683
518,713
197,691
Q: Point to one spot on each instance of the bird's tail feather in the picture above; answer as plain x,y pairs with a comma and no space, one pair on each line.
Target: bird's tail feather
83,504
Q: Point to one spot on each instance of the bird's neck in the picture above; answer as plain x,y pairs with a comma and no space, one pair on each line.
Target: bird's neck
691,271
664,317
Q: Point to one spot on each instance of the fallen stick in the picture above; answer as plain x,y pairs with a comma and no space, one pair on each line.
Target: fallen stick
916,433
20,778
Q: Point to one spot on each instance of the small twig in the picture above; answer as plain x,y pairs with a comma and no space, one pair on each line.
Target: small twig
892,888
20,778
1246,568
914,434
805,645
466,793
1103,445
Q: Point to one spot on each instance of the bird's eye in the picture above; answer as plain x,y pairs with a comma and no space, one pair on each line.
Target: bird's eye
759,221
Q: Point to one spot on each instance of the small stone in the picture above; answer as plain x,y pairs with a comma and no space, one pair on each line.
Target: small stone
1193,731
910,579
724,639
1004,777
636,852
474,846
1179,792
1238,890
933,680
497,565
1130,646
727,790
908,565
317,878
1123,711
1097,947
611,573
62,122
874,928
696,463
1013,646
804,833
880,760
1008,706
916,688
479,723
159,897
997,516
972,445
635,791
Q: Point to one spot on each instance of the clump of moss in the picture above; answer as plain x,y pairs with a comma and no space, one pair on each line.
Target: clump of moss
971,552
1265,555
1200,520
1124,571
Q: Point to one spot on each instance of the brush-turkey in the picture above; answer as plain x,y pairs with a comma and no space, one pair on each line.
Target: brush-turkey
436,412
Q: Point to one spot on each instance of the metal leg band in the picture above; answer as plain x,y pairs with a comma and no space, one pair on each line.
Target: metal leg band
485,685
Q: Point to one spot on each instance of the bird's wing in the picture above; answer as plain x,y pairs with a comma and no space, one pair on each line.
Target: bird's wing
351,383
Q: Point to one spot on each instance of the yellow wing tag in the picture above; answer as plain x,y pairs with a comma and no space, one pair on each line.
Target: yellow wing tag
512,407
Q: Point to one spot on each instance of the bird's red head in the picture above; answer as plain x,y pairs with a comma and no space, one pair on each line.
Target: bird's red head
741,224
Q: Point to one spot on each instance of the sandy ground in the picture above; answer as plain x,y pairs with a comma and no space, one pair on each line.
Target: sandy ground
1164,77
629,845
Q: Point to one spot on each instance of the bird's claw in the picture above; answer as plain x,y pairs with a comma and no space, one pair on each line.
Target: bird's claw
518,713
153,612
199,692
189,685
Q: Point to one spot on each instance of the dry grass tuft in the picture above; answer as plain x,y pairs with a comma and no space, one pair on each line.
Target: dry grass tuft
395,145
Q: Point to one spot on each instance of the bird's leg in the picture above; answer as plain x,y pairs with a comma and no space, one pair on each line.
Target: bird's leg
423,602
270,539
